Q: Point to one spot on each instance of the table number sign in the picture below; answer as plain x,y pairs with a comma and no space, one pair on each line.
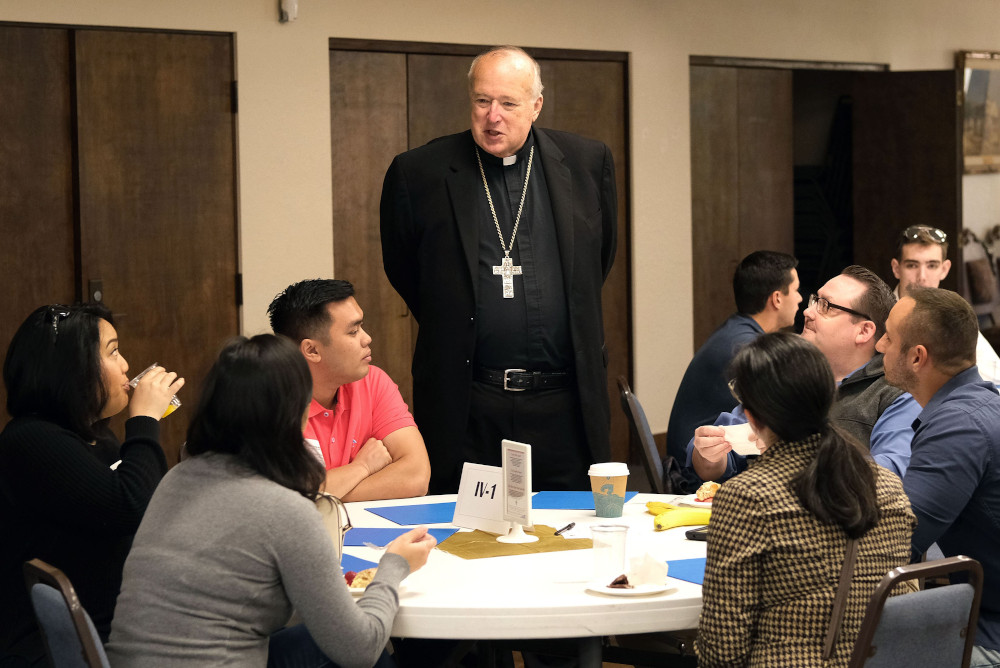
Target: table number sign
517,491
480,499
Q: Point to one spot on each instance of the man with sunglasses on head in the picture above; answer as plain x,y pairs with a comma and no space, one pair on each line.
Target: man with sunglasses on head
845,320
922,261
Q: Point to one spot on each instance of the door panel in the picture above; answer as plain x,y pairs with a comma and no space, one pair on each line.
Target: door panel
437,96
37,264
369,129
588,98
741,180
157,209
907,157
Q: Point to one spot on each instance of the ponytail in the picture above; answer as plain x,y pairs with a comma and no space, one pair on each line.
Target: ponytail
838,484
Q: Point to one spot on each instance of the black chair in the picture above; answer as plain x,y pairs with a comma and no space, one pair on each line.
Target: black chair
70,637
932,627
651,459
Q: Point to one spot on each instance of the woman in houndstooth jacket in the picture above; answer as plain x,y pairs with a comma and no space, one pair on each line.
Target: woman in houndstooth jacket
779,530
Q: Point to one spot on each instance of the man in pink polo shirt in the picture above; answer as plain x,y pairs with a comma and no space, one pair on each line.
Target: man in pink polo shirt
359,425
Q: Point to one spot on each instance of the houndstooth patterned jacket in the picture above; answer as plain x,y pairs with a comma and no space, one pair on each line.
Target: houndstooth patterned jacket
773,568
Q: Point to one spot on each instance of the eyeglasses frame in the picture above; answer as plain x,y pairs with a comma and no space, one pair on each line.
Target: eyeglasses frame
342,513
814,303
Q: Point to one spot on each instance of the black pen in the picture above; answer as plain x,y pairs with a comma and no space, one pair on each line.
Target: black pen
565,528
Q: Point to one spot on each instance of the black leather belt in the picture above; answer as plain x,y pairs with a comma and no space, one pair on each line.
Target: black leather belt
519,380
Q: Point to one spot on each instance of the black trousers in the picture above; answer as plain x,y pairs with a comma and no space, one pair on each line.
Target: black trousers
549,421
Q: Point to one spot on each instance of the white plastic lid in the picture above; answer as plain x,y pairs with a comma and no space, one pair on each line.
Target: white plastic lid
608,469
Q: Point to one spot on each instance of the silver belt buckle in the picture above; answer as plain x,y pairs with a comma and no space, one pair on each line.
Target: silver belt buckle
506,379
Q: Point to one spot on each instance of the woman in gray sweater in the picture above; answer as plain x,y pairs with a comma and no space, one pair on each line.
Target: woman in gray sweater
232,542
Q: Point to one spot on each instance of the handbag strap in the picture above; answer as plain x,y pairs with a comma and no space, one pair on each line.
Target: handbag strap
840,602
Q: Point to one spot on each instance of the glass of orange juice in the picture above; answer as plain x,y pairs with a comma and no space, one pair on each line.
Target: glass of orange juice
175,403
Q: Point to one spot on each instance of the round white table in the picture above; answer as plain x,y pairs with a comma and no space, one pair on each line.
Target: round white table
538,595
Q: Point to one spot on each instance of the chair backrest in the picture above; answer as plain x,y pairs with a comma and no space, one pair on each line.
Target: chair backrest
932,627
70,636
651,459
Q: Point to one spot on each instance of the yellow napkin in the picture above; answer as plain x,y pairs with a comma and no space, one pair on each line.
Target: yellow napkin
480,544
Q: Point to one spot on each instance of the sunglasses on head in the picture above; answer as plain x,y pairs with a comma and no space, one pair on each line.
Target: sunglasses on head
57,312
921,232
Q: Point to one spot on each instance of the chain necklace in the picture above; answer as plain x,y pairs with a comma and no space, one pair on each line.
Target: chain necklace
506,269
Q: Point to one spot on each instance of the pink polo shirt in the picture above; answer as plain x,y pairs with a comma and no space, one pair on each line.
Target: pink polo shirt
367,408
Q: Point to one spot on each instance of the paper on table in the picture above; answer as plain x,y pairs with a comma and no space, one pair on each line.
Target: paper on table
738,436
358,536
480,544
568,500
689,570
350,563
428,513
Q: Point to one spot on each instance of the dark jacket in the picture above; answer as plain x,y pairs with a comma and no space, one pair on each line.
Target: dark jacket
430,252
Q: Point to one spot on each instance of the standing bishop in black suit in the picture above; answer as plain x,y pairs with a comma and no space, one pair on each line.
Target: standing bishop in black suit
499,240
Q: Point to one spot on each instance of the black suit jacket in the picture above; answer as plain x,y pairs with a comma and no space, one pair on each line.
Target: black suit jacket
430,238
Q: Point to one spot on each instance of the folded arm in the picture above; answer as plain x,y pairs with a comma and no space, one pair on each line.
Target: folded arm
406,475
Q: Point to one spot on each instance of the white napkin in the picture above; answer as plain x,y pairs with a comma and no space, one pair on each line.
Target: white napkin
738,436
646,569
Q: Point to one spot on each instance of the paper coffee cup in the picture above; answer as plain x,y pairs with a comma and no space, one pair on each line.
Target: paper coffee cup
608,481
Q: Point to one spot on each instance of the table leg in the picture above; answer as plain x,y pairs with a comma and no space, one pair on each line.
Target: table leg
590,652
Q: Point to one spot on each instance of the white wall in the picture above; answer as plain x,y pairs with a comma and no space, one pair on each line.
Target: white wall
284,163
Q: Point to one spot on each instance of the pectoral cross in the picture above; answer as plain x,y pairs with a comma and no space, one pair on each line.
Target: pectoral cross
508,271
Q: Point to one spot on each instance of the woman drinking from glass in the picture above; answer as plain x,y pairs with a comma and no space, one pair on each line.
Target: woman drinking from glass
63,499
782,531
232,541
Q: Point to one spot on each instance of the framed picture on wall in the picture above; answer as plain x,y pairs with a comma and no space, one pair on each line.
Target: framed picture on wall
980,75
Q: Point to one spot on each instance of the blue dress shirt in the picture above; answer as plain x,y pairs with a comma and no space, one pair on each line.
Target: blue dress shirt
954,484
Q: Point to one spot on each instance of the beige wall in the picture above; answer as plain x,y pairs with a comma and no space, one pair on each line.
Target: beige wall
284,164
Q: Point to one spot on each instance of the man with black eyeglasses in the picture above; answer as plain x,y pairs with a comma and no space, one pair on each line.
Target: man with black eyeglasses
922,261
845,319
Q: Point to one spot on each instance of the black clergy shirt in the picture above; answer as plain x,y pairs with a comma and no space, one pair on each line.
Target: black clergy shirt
530,331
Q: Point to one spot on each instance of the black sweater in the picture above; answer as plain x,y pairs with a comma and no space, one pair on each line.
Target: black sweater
61,502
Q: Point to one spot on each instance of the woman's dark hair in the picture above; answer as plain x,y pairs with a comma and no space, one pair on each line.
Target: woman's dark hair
786,384
252,405
53,367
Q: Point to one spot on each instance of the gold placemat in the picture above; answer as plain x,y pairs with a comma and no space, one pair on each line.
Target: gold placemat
481,544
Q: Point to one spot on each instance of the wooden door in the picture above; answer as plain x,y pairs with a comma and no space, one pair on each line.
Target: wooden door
907,165
582,96
157,197
117,162
742,179
369,129
37,263
588,98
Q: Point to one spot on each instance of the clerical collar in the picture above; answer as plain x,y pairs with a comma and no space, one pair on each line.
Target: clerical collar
521,154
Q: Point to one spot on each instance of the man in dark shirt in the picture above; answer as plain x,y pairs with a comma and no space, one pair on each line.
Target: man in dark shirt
953,480
499,240
766,288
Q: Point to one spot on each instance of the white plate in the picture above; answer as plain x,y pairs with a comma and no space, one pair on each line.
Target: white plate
690,501
638,590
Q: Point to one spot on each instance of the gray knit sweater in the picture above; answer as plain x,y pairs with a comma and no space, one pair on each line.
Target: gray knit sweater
220,560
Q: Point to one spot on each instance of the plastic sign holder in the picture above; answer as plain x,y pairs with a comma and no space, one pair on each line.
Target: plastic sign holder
517,491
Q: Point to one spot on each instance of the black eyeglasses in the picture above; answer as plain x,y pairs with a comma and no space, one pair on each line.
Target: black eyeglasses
56,313
823,306
920,232
732,391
